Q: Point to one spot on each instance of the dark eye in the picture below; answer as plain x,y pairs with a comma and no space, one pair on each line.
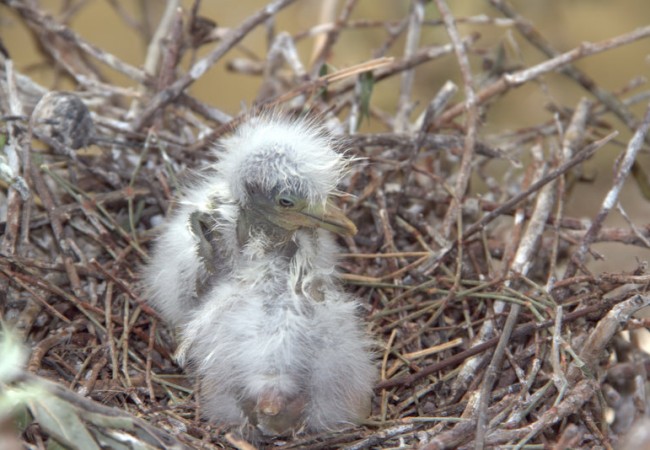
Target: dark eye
286,202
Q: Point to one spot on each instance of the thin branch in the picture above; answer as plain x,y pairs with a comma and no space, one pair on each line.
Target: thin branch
164,97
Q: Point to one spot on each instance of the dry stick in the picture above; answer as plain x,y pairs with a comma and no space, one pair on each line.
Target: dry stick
635,230
570,405
325,80
14,201
47,24
571,437
235,35
282,51
404,105
612,103
35,296
592,351
527,29
56,224
208,112
455,437
429,141
58,41
521,264
308,86
576,227
79,195
172,54
145,307
595,428
327,15
389,25
383,435
520,77
581,156
468,373
422,55
44,284
29,90
453,214
168,29
394,32
139,27
522,330
150,347
611,198
90,379
437,105
464,172
572,141
40,350
239,442
110,333
392,68
323,48
382,371
64,149
558,377
611,278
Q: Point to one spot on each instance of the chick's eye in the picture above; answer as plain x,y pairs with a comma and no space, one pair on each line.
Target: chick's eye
285,202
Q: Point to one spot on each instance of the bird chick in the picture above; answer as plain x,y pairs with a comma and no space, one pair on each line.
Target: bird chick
245,269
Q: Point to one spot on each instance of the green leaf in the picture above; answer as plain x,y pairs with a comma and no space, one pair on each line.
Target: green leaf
12,357
60,420
54,445
322,92
21,418
367,83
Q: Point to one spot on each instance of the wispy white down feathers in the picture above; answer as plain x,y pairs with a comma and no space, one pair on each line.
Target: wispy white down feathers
273,321
272,151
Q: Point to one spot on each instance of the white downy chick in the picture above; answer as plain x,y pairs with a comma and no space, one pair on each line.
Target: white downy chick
245,269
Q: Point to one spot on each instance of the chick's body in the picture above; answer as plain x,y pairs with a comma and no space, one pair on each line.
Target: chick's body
245,271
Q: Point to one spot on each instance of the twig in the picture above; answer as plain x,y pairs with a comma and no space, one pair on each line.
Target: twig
323,48
609,202
197,70
404,106
521,330
465,169
582,156
601,335
570,405
36,19
518,78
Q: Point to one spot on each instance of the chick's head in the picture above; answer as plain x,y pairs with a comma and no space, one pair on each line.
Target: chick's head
283,174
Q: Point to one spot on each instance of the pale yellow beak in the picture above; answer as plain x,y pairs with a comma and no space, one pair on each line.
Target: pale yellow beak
329,217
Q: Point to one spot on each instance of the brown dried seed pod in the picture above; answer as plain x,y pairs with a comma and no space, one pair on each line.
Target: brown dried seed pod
63,117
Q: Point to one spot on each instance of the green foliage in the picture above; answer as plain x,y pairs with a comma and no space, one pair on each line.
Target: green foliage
367,83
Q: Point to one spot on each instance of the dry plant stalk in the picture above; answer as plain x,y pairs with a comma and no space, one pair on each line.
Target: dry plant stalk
491,329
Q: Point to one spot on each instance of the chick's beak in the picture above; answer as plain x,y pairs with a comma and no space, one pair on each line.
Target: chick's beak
329,217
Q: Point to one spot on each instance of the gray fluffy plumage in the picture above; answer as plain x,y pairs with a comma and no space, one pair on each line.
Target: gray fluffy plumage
245,270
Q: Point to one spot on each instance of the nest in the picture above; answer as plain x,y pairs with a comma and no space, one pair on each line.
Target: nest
491,328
